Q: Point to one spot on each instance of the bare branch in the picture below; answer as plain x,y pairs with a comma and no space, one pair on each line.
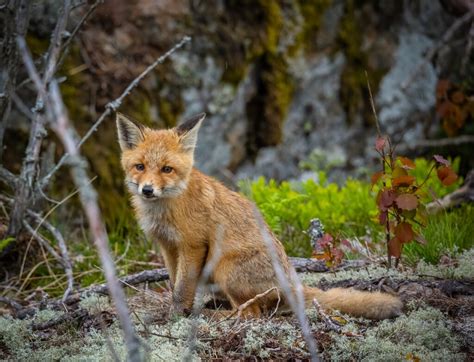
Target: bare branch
66,133
113,106
197,306
15,24
67,43
291,287
7,177
442,142
26,181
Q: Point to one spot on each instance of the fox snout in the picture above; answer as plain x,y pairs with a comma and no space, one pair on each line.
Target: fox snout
147,191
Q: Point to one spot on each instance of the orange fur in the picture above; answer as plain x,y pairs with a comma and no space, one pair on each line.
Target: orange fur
184,214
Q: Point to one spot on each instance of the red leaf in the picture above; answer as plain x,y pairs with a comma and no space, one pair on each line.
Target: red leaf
405,180
380,143
446,175
375,177
407,201
395,247
442,87
383,217
404,232
458,97
387,197
407,163
440,159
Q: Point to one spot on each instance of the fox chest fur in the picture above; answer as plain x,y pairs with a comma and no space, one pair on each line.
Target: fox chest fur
157,221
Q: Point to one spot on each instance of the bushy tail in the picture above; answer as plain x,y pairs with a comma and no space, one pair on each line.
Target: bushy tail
369,305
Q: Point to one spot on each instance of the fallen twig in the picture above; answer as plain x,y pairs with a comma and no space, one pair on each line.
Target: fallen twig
326,319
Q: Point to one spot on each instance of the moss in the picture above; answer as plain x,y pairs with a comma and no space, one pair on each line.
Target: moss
266,111
354,94
312,12
464,269
423,334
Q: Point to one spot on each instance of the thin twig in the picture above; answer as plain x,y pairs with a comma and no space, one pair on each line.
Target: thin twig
379,133
291,287
25,185
197,306
62,127
67,43
113,106
249,302
326,319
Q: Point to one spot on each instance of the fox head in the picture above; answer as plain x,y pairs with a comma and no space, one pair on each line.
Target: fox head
157,163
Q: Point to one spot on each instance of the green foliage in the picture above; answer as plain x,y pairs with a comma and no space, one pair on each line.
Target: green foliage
288,208
433,185
447,233
347,211
5,242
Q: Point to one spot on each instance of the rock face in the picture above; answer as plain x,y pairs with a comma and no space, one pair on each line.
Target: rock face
283,82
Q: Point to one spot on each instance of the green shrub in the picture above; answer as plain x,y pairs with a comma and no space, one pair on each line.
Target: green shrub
348,210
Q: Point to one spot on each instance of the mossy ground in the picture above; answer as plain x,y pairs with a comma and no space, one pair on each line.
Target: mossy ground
422,333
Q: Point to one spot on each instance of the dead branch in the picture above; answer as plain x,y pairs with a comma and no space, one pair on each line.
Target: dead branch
326,319
11,303
67,43
26,180
64,259
243,306
435,49
464,194
443,142
113,106
200,290
291,287
15,24
7,177
67,134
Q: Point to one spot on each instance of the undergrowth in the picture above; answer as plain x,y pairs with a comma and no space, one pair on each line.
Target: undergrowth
348,210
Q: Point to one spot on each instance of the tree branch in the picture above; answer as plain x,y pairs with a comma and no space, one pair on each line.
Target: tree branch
66,133
113,106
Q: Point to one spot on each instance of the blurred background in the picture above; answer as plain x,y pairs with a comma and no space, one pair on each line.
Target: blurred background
283,84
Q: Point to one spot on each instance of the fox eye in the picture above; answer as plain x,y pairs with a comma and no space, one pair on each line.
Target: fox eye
166,169
140,166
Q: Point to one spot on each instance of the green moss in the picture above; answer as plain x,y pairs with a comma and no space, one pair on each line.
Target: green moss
267,110
354,94
312,12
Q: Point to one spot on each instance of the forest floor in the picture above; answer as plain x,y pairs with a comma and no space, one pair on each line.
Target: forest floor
437,324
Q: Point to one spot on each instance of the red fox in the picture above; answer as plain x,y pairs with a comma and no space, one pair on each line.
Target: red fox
182,209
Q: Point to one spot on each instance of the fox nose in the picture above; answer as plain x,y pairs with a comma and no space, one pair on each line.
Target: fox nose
147,190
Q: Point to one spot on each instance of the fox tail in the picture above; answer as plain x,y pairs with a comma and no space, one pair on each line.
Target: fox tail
371,305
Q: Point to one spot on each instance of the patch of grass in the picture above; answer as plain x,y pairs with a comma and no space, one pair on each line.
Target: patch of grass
447,233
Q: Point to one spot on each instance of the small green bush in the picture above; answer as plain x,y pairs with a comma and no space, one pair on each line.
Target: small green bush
348,210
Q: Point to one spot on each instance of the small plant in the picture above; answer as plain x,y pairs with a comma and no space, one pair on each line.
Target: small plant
401,211
325,246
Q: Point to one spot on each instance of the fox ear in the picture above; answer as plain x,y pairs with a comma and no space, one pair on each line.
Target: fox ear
188,131
130,134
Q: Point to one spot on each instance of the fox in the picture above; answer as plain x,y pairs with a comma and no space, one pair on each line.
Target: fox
182,209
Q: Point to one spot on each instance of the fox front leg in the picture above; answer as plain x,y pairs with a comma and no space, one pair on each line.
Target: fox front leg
189,268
